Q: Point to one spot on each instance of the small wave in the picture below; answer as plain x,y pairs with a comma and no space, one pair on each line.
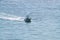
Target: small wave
11,17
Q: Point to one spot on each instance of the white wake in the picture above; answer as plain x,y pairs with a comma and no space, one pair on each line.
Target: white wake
11,17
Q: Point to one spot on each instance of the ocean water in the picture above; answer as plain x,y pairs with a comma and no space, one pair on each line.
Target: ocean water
45,15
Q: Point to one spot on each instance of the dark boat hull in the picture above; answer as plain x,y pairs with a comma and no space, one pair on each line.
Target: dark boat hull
27,20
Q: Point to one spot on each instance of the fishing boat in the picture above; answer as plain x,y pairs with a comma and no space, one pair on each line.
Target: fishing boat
27,19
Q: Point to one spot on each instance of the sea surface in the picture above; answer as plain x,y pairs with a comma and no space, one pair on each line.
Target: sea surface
45,16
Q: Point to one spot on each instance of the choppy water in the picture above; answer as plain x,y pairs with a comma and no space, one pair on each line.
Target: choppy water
45,23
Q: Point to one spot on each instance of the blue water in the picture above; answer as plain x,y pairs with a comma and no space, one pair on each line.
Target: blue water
45,23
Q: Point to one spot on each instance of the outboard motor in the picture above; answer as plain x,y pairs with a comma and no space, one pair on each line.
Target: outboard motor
27,19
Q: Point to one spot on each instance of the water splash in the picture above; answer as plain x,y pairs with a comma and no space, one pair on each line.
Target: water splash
11,17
